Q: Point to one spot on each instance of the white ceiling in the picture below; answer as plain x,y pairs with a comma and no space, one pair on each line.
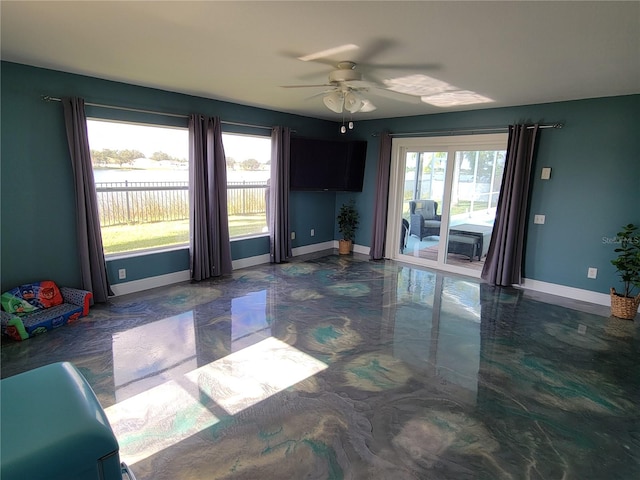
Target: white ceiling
514,53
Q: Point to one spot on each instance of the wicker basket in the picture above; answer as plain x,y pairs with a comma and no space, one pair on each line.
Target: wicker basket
624,307
344,247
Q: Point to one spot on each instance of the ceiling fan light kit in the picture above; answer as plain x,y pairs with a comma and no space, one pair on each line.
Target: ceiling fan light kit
334,101
352,102
367,106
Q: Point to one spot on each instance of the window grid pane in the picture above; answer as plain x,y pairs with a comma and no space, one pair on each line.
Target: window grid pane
141,176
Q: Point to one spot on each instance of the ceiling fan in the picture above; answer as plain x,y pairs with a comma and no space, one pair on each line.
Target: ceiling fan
345,92
346,87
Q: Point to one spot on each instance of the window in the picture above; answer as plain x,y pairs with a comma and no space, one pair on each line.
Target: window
248,173
141,174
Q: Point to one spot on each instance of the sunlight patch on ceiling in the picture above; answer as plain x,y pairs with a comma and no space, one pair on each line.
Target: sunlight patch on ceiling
458,97
418,85
435,92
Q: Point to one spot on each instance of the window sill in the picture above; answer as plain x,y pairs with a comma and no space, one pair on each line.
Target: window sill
185,246
145,252
249,237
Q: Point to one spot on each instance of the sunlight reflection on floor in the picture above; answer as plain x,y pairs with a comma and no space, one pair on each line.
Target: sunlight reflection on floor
164,415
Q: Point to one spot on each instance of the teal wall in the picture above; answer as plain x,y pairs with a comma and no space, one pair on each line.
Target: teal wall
37,194
594,188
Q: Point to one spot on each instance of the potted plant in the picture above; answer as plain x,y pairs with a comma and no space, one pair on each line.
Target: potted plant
625,305
348,219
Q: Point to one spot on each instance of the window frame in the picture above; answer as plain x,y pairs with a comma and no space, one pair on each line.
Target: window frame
151,124
233,131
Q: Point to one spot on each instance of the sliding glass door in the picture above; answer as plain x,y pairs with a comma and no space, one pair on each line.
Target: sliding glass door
443,195
424,182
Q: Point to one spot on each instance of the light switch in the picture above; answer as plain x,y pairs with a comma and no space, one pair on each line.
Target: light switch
546,173
538,219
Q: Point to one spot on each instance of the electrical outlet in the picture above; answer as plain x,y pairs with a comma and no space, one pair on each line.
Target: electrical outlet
313,232
592,272
293,235
582,329
122,273
546,173
538,219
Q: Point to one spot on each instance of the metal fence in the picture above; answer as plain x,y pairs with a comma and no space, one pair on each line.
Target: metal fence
122,203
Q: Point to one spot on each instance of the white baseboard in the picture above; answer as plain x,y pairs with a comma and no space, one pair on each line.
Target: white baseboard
150,282
567,292
250,261
356,248
185,275
316,247
359,249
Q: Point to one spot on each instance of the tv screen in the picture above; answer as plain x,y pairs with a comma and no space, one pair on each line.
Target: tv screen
327,165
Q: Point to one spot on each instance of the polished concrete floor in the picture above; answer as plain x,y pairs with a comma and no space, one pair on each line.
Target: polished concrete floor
340,368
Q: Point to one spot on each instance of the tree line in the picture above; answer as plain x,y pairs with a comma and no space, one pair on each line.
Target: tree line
107,157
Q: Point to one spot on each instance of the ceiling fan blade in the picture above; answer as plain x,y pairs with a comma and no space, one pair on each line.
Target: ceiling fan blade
372,81
330,52
361,84
402,66
307,86
324,92
296,56
374,49
330,56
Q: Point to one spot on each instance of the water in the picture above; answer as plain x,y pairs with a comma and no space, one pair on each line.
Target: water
101,175
139,175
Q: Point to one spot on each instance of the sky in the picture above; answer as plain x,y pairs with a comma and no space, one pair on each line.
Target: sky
171,140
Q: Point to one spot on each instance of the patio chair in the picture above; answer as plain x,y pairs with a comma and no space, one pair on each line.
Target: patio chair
424,219
404,229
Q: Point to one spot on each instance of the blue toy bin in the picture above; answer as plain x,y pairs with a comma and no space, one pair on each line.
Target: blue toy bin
53,427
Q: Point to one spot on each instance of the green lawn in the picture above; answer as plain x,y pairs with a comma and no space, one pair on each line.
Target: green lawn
125,238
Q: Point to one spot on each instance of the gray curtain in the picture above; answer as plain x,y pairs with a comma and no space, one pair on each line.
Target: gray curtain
278,196
382,197
503,265
210,250
89,236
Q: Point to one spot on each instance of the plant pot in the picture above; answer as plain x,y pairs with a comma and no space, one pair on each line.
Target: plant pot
344,247
624,307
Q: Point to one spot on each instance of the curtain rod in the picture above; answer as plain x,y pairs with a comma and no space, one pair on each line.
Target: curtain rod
467,130
48,98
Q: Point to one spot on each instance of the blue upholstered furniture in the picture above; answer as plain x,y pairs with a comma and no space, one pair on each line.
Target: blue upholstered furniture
35,308
423,218
53,427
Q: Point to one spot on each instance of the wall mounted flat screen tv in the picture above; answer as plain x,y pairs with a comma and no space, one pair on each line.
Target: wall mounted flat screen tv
327,165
